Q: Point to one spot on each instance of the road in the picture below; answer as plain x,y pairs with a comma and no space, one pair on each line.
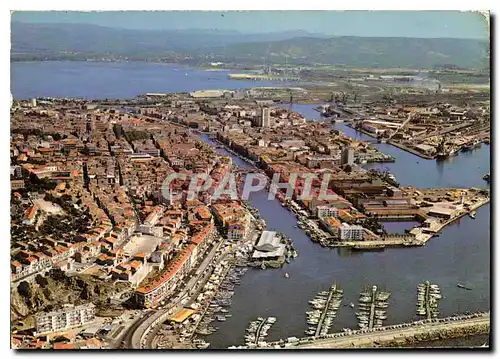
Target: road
364,339
197,282
127,337
179,298
190,290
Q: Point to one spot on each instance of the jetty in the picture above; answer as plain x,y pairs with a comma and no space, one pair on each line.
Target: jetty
372,308
257,331
330,311
428,296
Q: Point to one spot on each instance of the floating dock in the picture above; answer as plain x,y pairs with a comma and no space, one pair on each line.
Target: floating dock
428,296
257,331
372,308
326,305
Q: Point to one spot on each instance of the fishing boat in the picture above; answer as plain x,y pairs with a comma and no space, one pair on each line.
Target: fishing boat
463,286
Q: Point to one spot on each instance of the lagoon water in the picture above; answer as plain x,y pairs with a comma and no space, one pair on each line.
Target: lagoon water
460,254
100,80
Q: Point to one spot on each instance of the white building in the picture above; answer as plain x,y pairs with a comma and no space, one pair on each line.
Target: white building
236,233
66,318
327,211
151,230
351,232
268,247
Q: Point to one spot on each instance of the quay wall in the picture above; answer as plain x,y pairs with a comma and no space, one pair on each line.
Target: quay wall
449,333
395,144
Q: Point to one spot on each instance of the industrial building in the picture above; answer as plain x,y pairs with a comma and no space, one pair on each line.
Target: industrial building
208,93
443,212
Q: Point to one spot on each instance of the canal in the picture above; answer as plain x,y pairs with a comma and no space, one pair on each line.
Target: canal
460,254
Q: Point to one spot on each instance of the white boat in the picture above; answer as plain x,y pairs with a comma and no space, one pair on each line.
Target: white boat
287,275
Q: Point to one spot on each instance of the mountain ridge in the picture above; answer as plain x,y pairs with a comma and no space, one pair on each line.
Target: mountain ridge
297,47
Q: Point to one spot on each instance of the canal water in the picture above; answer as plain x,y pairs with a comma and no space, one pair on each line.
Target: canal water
460,254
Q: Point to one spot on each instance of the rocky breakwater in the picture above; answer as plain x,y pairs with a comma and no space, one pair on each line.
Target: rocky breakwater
436,334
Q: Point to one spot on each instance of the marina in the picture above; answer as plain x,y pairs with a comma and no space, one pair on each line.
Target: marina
428,296
290,213
257,331
326,305
372,308
219,300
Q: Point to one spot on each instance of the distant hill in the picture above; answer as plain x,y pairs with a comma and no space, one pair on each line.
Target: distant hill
365,51
299,46
92,39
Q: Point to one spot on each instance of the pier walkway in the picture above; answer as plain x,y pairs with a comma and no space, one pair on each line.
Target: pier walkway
325,310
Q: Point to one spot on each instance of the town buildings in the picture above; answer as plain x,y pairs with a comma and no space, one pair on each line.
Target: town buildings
66,318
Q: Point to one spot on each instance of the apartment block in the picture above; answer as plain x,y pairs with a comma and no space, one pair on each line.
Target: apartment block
64,319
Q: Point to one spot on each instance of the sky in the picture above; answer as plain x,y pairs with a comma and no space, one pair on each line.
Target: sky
426,24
